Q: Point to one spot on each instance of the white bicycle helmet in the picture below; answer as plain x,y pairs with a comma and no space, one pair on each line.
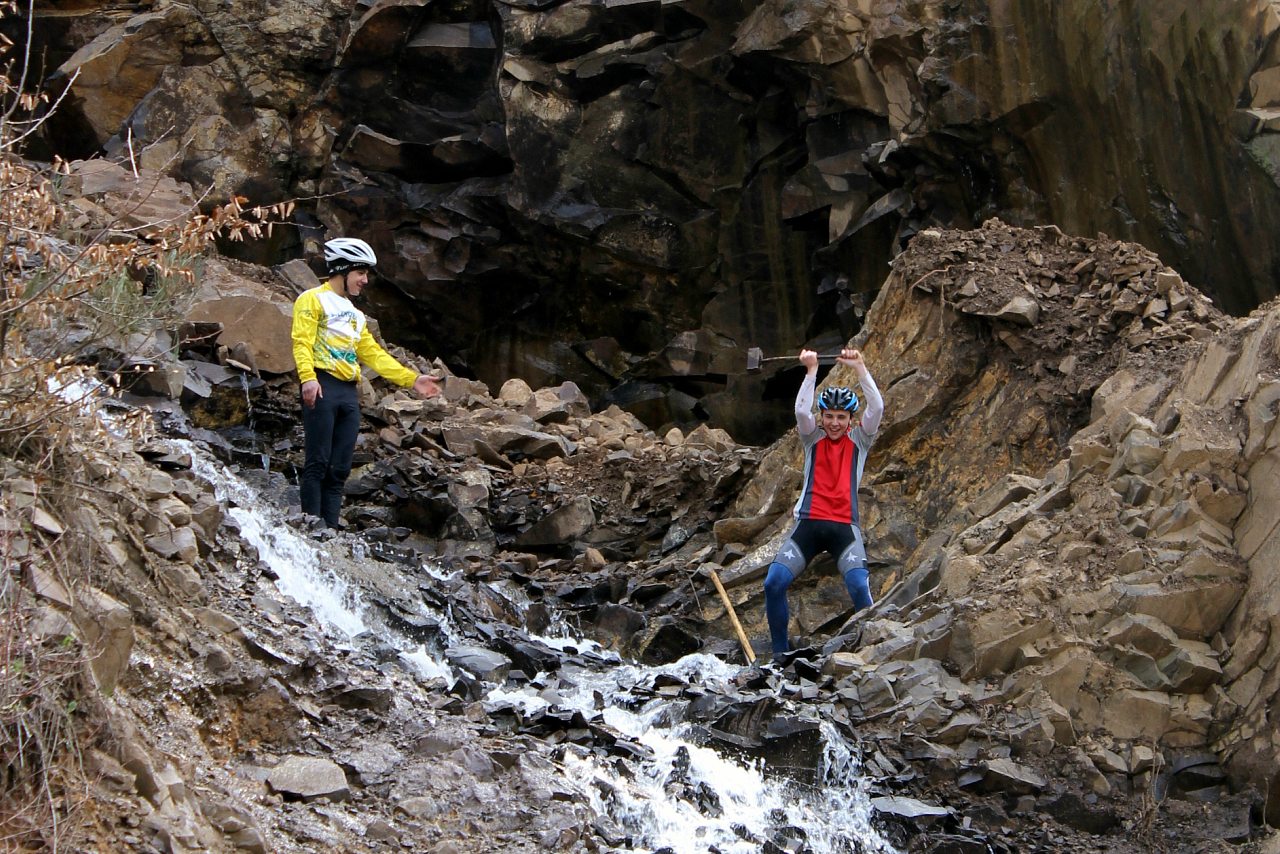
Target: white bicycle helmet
347,253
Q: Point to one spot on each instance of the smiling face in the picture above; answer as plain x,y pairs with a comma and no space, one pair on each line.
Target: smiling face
356,280
835,422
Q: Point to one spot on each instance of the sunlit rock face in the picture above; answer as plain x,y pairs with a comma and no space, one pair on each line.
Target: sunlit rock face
629,194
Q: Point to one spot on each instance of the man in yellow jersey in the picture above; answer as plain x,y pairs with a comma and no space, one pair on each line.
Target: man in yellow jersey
330,341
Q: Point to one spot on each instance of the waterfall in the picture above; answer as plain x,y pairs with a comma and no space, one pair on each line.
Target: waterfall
299,564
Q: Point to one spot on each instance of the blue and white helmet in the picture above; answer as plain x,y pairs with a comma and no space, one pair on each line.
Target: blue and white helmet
838,397
348,253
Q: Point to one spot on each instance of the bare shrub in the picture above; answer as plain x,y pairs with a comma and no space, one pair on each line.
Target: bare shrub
63,294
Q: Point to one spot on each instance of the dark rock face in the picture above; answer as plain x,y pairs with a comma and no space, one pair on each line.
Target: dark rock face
629,194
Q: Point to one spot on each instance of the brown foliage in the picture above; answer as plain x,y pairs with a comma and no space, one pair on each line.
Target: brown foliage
64,294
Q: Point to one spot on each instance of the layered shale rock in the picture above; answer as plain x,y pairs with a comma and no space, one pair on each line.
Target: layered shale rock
1069,505
628,195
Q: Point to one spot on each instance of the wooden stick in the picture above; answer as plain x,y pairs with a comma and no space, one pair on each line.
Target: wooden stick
733,618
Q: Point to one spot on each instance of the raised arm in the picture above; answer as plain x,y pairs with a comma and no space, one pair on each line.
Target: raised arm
805,421
875,403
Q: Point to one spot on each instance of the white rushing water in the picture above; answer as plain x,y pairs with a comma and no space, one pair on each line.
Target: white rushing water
832,816
300,565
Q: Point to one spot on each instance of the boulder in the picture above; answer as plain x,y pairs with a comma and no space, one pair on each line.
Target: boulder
371,763
463,439
737,530
561,526
1191,668
175,544
557,405
1194,611
259,325
911,809
131,200
1009,777
484,664
308,778
714,438
1131,714
1143,632
617,626
988,643
515,392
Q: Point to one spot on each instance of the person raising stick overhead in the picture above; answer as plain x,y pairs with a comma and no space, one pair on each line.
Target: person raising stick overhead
330,341
835,450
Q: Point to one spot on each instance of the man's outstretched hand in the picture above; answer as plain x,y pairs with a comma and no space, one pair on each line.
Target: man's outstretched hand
426,385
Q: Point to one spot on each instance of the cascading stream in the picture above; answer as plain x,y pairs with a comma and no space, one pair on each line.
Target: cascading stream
736,805
718,801
299,564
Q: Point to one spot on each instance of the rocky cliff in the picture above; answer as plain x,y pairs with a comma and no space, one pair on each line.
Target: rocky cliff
1071,505
1070,523
627,195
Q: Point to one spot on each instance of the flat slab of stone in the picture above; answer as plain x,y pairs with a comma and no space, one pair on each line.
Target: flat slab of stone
308,778
484,664
1005,775
909,808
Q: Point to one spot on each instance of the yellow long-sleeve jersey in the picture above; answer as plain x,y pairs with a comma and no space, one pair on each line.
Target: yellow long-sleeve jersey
331,335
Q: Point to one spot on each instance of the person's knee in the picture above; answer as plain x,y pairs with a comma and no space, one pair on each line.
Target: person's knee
778,580
857,580
315,467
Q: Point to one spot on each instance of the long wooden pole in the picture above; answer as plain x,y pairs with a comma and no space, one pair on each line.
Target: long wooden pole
733,618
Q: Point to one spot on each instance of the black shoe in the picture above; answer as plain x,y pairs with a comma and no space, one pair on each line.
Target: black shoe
305,522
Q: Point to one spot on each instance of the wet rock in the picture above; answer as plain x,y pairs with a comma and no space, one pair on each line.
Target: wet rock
667,639
528,657
162,379
919,813
308,778
618,625
484,664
